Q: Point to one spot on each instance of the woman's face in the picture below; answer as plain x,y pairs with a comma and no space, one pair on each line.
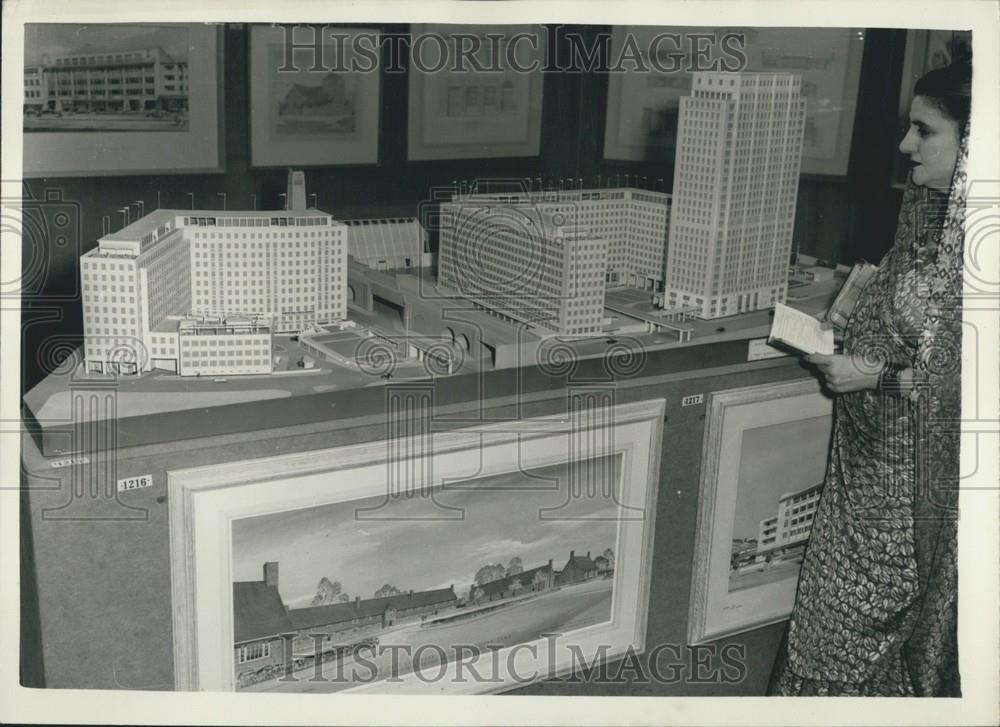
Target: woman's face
932,143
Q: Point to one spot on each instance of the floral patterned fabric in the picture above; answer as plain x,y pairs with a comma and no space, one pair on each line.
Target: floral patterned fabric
876,609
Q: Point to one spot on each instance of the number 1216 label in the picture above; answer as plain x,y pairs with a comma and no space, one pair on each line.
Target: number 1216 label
135,483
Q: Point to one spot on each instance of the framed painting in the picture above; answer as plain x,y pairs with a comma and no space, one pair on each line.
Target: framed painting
104,99
925,51
755,508
487,558
644,95
457,112
315,95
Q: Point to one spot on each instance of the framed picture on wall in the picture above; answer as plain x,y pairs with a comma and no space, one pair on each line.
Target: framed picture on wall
403,565
103,99
925,51
765,455
314,104
457,112
644,97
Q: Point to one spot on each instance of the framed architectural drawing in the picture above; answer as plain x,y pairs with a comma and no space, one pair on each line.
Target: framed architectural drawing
102,99
501,549
644,95
314,110
456,112
755,509
925,51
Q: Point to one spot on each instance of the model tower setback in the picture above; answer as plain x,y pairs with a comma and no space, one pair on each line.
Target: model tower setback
739,151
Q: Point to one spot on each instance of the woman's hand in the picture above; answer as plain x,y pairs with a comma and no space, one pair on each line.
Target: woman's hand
844,373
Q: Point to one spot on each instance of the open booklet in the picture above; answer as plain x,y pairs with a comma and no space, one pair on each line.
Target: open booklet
800,331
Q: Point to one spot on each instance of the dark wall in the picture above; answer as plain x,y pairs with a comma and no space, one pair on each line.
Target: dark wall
838,218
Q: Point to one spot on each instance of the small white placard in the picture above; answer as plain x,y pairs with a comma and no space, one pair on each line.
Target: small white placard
693,399
66,462
135,483
760,349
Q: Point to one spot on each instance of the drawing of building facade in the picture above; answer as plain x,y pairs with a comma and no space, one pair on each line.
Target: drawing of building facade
531,266
786,533
739,151
201,292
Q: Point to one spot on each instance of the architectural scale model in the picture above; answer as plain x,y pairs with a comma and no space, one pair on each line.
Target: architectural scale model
202,292
736,174
547,257
205,292
388,243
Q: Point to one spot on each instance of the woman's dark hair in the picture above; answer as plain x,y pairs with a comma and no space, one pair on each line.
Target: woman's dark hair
949,89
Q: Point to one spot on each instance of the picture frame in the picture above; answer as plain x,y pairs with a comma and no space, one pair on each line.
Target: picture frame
165,118
457,114
467,501
925,50
309,111
742,582
643,106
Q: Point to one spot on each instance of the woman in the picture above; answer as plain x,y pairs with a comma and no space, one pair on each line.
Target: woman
875,612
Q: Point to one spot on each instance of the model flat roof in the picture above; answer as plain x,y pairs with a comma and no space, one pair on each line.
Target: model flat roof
152,221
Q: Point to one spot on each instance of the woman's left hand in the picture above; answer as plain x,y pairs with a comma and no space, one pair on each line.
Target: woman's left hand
845,373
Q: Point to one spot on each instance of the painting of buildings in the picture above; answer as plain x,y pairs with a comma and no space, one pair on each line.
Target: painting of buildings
508,576
775,503
106,78
312,105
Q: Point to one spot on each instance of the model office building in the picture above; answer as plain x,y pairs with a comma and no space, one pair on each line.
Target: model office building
739,151
576,242
128,80
202,292
529,266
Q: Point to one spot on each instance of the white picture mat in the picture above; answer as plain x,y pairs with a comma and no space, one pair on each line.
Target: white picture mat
198,150
206,533
716,611
359,147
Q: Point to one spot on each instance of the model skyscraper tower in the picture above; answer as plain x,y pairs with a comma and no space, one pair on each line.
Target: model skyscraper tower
736,176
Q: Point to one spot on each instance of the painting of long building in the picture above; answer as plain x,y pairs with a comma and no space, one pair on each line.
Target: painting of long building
349,583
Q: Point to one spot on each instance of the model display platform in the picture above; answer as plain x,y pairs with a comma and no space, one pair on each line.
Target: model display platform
447,337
